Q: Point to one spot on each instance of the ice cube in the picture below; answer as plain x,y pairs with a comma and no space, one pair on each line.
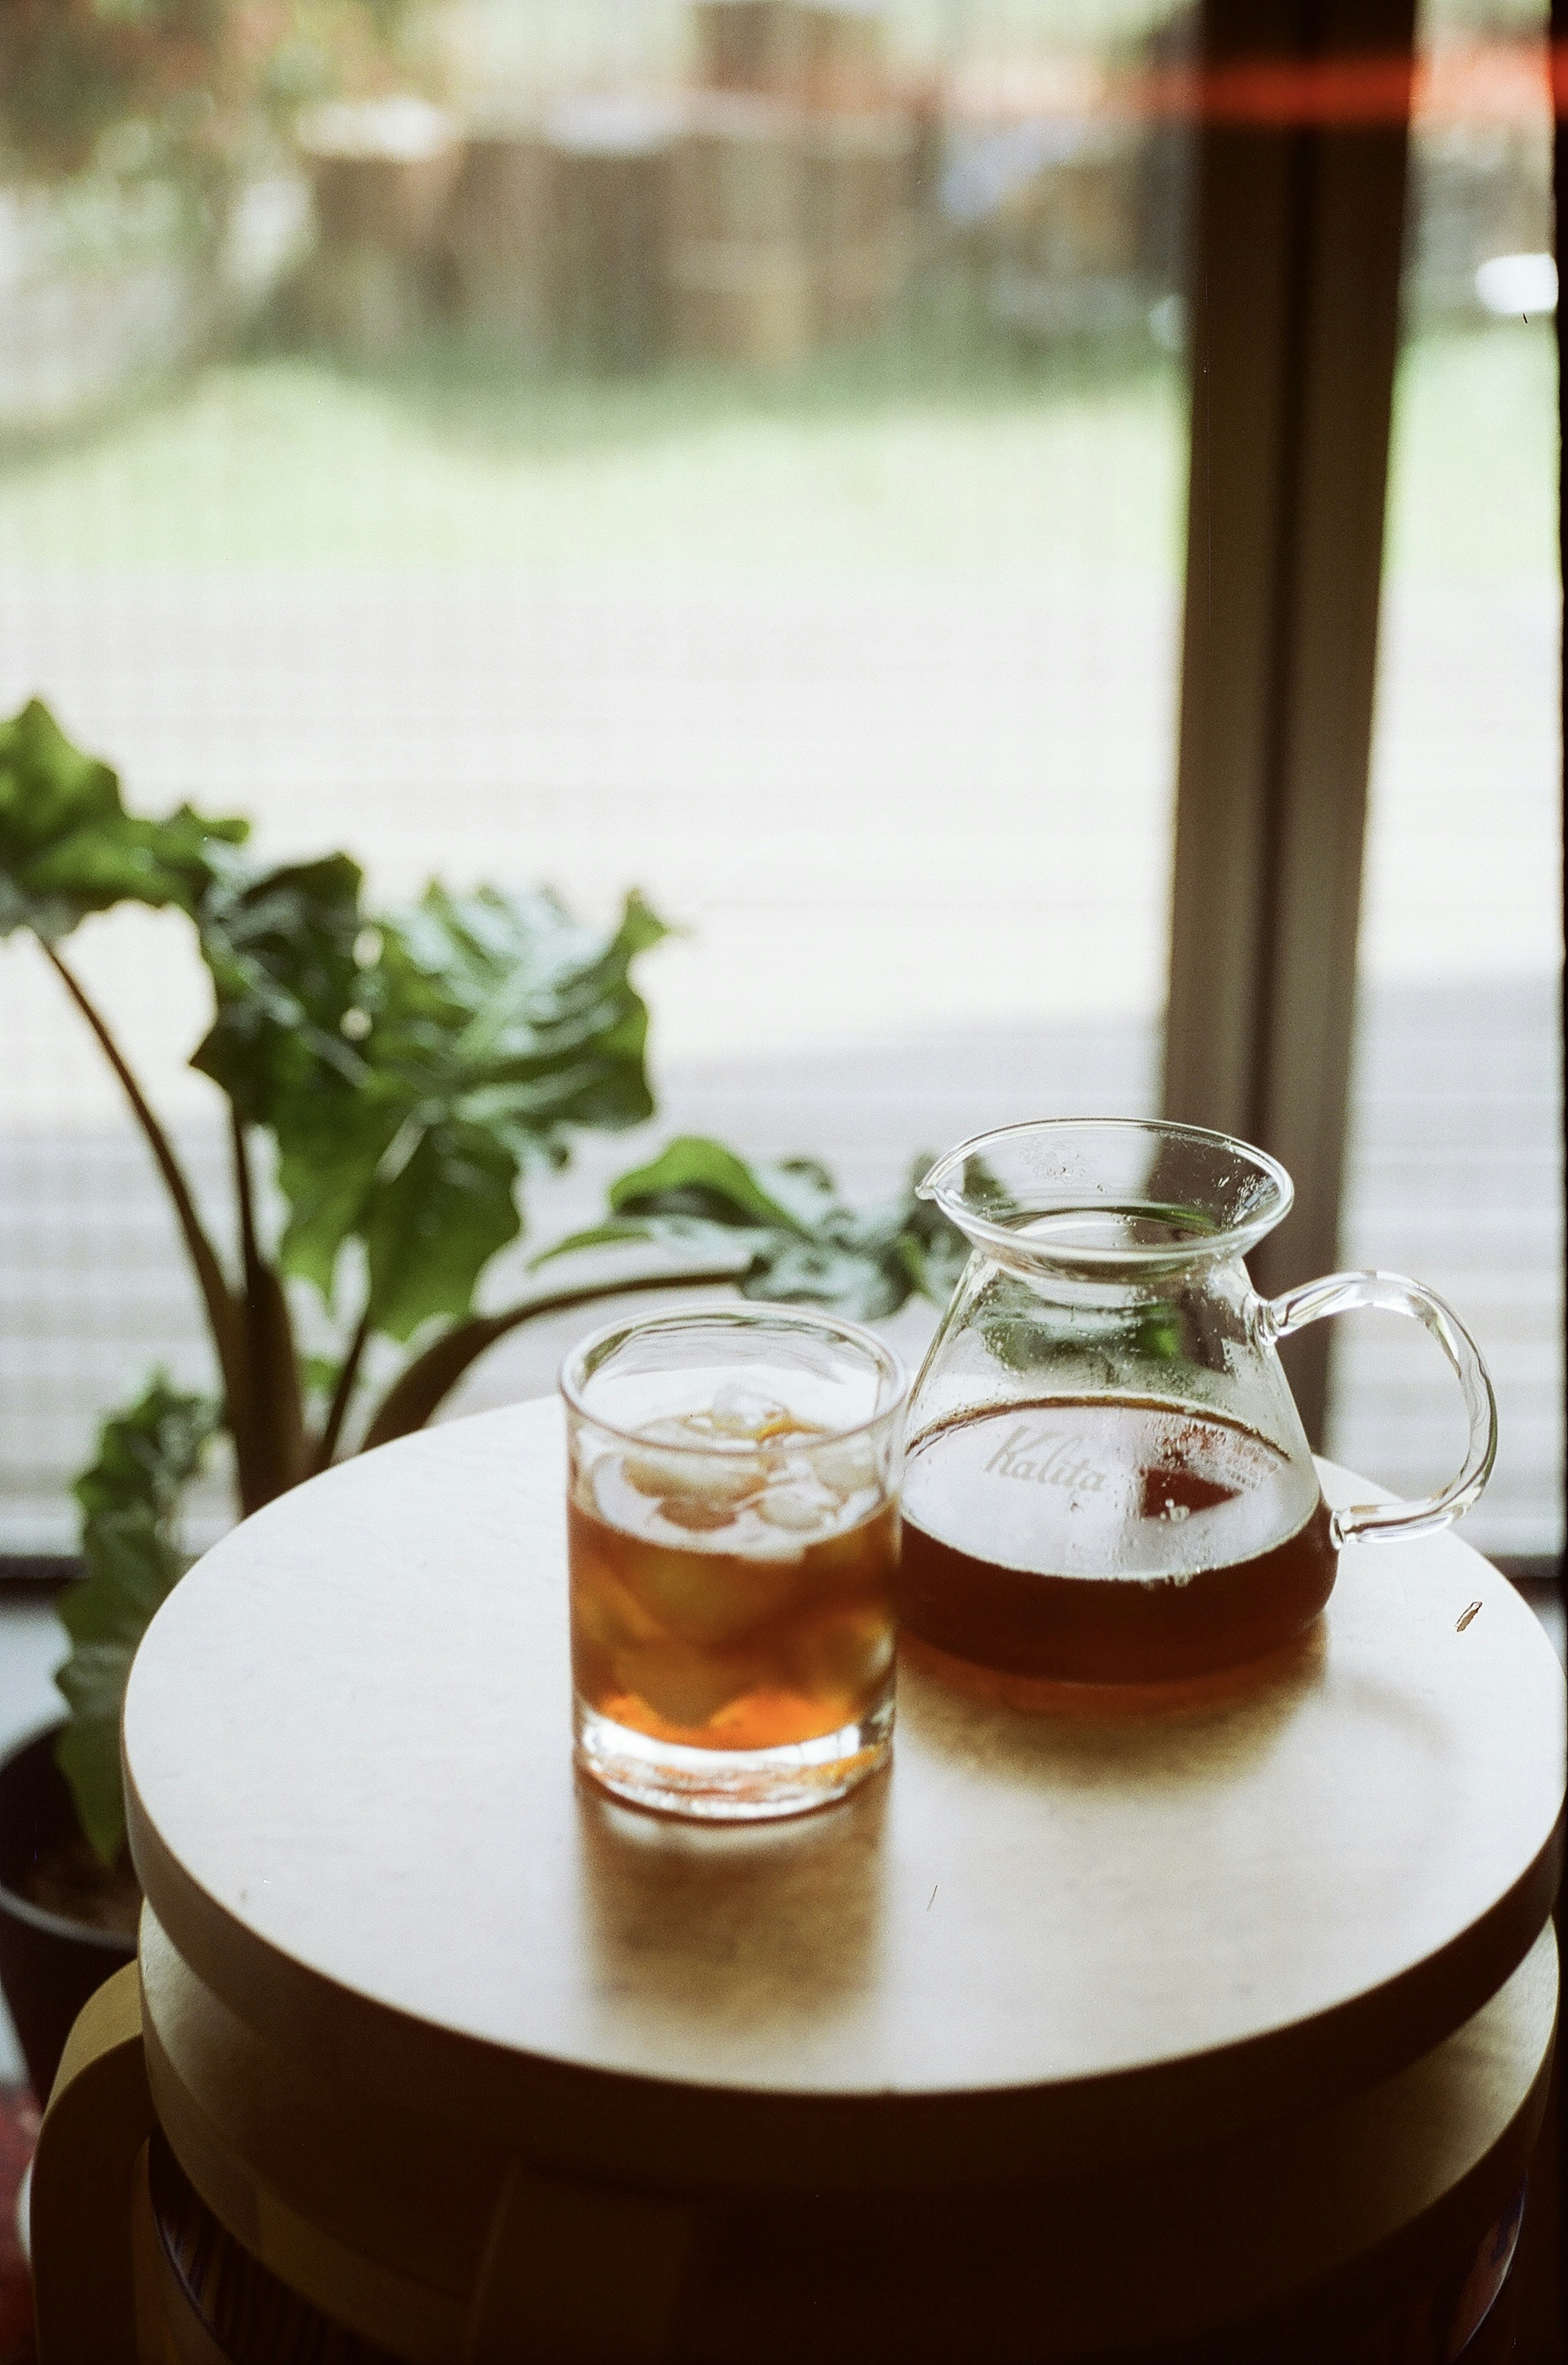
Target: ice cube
678,1428
604,1610
651,1474
606,1489
844,1652
845,1465
719,1479
698,1513
798,1506
708,1597
740,1411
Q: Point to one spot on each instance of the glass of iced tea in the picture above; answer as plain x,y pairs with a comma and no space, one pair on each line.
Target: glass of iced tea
733,1533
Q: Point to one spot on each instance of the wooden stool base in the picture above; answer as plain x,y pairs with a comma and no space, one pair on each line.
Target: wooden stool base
1345,2234
222,2306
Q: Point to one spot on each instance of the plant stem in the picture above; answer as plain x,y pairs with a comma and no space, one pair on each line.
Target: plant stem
250,1255
337,1412
269,1426
428,1380
222,1314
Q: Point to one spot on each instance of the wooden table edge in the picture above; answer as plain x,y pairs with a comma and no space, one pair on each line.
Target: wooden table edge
735,2137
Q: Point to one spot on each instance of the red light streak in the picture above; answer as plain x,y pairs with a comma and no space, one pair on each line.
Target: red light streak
1504,85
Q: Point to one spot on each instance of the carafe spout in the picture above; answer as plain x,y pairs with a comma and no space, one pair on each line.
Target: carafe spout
1107,1197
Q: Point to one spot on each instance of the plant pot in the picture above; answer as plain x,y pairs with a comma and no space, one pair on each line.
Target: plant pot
50,1964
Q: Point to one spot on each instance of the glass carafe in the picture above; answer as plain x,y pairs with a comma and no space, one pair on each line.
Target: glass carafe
1107,1479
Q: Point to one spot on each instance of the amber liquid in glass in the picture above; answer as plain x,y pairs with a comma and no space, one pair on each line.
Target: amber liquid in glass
1109,1541
704,1621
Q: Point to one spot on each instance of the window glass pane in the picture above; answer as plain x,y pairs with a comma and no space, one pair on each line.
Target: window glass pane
1455,1160
736,450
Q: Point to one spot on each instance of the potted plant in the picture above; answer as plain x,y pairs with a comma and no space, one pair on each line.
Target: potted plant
390,1078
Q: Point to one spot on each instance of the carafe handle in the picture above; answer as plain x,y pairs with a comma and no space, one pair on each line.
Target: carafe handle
1394,1293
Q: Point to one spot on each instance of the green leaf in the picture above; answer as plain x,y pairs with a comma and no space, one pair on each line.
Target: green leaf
68,846
805,1245
87,1753
481,1030
331,1146
612,1233
132,1564
430,1230
280,944
697,1177
732,1247
147,1457
842,1280
129,1500
512,1000
1160,1334
932,1246
319,1375
865,1264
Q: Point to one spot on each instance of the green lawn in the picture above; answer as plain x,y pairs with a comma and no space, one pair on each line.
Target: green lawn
1474,473
890,466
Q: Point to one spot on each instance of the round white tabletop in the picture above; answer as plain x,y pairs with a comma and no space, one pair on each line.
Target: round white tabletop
1039,1937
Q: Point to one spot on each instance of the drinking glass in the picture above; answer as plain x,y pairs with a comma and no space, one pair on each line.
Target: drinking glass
732,1534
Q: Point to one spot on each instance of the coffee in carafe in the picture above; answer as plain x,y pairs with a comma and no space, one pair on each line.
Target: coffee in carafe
1108,1541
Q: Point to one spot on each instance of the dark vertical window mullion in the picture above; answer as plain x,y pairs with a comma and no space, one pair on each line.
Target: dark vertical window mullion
1296,263
1296,271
